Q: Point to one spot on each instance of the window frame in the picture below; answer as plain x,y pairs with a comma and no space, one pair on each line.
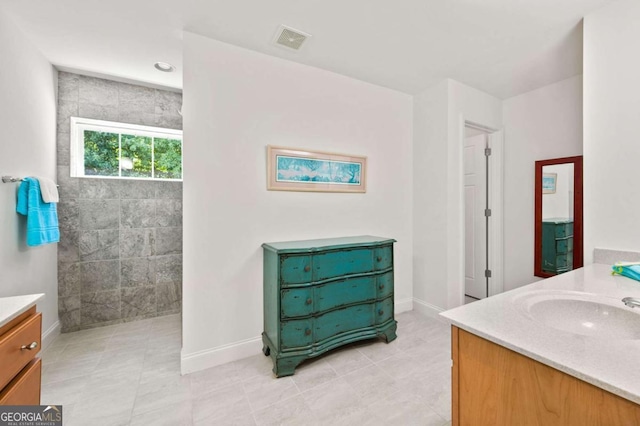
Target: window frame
79,125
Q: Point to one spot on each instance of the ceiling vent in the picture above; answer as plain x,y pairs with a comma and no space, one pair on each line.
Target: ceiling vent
290,37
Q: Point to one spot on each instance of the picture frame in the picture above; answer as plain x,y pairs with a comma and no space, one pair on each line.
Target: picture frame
292,169
549,183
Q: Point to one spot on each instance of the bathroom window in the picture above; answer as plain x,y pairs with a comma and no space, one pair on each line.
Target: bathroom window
118,150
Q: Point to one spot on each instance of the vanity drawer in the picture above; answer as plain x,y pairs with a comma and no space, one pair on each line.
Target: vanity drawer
24,389
13,357
340,263
564,245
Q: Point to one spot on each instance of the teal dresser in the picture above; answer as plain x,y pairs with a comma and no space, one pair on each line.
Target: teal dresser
557,245
321,294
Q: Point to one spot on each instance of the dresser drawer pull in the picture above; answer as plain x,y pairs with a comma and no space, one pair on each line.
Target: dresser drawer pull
380,312
30,347
307,332
307,268
379,259
309,301
381,286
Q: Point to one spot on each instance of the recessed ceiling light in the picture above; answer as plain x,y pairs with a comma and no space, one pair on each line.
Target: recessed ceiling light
164,67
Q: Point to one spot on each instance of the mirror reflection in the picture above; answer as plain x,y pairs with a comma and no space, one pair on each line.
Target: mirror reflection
558,215
557,218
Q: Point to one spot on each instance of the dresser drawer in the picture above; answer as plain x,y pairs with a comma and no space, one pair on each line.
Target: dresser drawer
343,320
339,263
384,311
564,230
295,269
24,389
384,285
558,262
564,245
383,258
300,302
296,333
13,357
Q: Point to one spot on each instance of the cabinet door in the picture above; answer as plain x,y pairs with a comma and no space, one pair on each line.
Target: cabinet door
343,320
342,262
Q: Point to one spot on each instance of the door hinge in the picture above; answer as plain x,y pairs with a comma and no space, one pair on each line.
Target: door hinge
487,273
487,152
487,212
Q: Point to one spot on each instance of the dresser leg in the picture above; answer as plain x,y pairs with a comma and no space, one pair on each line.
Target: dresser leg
286,366
266,350
389,335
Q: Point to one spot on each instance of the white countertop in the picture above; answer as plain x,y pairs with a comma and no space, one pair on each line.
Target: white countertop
609,363
10,307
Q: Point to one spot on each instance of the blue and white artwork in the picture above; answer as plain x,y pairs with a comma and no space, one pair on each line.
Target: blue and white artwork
549,183
307,170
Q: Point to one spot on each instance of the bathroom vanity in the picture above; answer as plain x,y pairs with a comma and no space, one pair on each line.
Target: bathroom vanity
563,351
321,294
20,341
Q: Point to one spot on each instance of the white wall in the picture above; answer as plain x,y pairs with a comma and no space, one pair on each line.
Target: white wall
236,102
611,146
439,115
539,125
560,203
28,147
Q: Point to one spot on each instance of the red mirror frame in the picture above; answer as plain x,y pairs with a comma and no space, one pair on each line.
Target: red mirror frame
578,227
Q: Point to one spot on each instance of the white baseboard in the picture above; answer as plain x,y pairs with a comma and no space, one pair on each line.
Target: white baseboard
427,309
404,305
50,334
208,358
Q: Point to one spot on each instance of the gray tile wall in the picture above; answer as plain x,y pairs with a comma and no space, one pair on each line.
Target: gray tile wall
120,250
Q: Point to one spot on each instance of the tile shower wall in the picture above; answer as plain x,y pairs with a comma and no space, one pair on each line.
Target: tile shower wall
120,250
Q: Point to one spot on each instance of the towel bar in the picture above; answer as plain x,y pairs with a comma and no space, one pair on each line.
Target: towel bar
9,179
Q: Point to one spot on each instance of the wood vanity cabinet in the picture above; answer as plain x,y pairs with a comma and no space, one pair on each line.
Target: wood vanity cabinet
321,294
492,385
20,341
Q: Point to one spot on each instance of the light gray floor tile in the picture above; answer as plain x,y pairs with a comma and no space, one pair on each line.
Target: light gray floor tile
262,391
293,411
169,415
65,392
346,360
213,378
378,350
313,373
336,396
257,365
228,402
372,384
155,395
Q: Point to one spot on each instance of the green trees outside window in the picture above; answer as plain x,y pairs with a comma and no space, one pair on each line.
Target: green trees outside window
126,155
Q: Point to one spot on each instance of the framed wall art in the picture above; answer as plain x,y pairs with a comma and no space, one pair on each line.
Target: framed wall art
549,183
291,169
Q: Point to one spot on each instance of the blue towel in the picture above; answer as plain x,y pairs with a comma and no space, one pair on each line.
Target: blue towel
629,270
42,218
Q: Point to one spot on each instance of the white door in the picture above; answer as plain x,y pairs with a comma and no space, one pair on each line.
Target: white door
475,193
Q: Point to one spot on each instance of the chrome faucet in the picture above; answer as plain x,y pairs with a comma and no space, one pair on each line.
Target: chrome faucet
632,302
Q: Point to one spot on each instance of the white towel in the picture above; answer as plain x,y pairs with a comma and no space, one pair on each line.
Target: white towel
48,189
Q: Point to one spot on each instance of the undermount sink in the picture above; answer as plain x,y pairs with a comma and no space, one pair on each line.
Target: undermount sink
582,313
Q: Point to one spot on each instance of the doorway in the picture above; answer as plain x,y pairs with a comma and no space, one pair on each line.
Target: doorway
482,228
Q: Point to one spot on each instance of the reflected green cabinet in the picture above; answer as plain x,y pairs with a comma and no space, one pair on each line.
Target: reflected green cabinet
322,294
557,245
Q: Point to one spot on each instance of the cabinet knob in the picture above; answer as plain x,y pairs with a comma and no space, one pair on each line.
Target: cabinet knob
30,347
307,332
308,302
379,259
307,268
380,312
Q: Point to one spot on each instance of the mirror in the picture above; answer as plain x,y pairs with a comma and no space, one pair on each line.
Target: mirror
558,216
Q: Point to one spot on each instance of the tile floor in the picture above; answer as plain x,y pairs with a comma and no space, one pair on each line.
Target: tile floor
129,374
